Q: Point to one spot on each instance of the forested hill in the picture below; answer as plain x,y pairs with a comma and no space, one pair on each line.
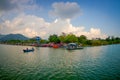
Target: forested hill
12,37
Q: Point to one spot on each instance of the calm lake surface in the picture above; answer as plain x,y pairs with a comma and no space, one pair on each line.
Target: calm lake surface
90,63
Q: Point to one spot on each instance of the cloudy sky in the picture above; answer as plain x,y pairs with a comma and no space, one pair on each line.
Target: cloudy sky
93,18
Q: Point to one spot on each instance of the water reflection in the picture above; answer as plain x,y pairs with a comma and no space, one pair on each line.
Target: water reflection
96,52
92,63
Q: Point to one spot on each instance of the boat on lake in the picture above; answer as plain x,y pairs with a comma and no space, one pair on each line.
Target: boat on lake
73,46
28,50
55,46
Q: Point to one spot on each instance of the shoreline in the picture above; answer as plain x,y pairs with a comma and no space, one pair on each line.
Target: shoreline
59,47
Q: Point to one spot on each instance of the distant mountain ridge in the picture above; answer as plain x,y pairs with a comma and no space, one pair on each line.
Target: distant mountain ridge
1,36
12,37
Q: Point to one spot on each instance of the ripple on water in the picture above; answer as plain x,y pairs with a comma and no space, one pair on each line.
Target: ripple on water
91,63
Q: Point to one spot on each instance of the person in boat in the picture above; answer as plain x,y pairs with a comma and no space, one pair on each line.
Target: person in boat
28,50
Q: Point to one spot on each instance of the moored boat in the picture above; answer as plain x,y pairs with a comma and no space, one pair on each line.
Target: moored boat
55,46
73,46
28,50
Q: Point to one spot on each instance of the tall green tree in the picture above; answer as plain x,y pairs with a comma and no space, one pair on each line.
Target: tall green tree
82,39
108,38
62,37
54,38
71,38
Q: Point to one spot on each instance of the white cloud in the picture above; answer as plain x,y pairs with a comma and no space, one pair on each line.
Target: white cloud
31,26
66,10
59,26
28,25
95,31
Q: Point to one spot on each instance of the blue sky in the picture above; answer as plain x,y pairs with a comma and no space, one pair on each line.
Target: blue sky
93,18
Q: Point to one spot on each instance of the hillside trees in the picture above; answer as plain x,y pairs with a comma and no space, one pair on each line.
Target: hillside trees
54,38
71,38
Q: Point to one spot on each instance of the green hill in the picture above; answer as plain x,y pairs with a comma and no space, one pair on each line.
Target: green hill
13,37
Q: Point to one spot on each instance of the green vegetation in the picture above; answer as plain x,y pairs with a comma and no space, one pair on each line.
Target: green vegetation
70,38
83,40
67,38
54,38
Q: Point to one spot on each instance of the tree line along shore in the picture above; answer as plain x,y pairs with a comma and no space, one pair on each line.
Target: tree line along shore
65,39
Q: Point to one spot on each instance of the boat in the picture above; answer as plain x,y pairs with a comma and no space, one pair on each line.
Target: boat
73,46
55,46
28,50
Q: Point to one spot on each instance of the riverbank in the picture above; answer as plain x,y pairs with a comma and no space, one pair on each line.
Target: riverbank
54,45
62,40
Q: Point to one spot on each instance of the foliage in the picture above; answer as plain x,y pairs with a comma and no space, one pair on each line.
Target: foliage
43,41
62,37
14,41
54,38
67,38
82,39
96,42
71,38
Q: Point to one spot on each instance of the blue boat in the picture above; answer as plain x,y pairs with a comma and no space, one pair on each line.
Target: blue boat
28,50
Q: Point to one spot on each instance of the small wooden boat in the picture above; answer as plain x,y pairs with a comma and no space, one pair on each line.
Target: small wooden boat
28,50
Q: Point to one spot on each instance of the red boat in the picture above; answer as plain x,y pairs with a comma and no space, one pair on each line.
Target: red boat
55,46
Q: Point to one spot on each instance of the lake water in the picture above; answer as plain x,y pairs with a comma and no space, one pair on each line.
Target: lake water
90,63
